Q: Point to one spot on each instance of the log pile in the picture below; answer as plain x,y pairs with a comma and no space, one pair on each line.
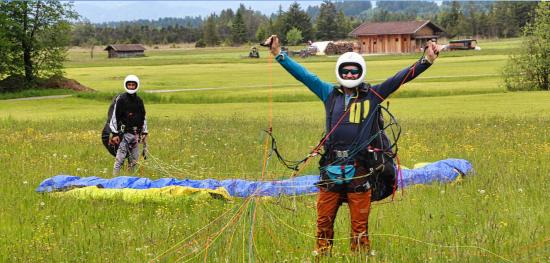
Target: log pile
338,48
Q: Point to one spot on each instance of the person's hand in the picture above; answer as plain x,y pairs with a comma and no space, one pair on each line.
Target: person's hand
143,138
115,140
432,51
275,48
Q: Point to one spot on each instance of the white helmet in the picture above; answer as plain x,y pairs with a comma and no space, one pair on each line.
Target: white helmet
351,58
131,78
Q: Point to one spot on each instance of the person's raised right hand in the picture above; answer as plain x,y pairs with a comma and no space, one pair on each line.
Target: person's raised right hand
275,45
432,51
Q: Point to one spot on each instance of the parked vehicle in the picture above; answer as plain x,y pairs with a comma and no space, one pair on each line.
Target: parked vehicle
463,44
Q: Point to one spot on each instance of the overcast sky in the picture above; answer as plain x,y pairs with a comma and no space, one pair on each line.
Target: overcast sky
104,11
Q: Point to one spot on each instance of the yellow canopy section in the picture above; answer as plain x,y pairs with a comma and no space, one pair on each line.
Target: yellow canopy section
164,194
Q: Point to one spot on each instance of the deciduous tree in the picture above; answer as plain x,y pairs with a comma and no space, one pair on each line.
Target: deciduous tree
39,31
294,36
530,70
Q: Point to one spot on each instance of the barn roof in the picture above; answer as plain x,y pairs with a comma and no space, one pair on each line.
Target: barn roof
393,28
125,47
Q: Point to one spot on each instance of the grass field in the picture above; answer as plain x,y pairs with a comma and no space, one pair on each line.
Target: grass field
457,109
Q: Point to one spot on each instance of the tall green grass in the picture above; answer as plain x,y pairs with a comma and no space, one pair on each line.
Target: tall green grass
494,215
500,208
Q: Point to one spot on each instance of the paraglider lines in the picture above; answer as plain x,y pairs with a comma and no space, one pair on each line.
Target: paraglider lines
180,243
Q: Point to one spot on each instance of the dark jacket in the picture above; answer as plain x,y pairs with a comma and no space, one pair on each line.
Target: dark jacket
128,115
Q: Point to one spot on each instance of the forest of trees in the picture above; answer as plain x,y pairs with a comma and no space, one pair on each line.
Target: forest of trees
328,21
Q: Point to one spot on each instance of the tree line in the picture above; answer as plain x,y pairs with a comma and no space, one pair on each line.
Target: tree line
34,35
328,21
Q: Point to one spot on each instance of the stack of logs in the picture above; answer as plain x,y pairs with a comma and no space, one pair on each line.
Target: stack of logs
338,48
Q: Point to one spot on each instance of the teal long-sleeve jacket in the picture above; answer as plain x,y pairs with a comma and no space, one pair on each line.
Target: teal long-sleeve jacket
323,89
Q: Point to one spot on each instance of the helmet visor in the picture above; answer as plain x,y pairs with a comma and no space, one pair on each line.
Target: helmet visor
131,85
353,68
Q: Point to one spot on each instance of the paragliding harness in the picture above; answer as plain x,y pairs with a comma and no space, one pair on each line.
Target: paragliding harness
106,133
368,164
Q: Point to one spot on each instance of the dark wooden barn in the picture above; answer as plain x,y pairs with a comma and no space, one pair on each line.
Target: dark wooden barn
395,37
125,50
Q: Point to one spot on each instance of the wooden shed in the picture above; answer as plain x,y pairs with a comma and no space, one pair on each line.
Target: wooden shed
395,37
125,50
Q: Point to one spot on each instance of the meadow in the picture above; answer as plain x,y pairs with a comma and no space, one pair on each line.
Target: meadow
457,109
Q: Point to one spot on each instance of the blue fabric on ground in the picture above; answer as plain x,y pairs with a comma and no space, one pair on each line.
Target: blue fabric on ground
442,171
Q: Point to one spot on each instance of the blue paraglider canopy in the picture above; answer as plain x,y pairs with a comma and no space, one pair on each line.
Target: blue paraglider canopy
441,171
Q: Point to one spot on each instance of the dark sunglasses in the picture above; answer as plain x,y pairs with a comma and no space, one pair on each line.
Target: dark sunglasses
345,71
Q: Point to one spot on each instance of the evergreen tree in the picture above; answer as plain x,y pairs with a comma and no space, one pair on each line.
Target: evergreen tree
210,34
451,19
327,27
344,25
510,17
504,20
225,23
252,20
523,12
263,32
295,17
238,29
278,24
471,19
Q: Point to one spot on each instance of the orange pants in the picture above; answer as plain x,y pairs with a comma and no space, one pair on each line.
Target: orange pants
327,208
